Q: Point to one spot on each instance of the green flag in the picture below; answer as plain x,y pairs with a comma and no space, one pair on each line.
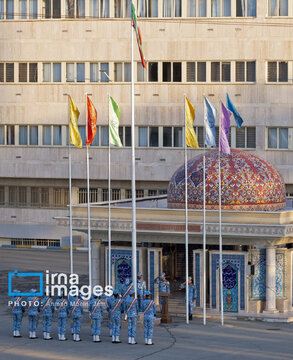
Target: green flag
114,119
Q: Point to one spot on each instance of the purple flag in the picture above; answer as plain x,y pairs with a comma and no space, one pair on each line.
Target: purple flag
224,131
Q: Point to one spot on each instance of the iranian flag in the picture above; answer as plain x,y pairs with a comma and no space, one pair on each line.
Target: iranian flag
114,119
138,35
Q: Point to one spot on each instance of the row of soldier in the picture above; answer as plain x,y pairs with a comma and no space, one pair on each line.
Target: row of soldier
116,305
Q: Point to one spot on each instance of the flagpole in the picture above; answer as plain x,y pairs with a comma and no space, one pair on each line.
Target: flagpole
70,200
204,231
220,229
88,196
186,219
109,200
133,190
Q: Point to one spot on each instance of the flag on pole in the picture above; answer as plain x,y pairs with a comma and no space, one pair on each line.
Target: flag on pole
237,117
191,139
114,119
224,130
91,122
138,35
210,114
74,135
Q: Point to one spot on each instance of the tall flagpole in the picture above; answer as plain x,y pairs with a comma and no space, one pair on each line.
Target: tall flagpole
70,200
133,190
109,200
204,230
186,218
220,229
88,197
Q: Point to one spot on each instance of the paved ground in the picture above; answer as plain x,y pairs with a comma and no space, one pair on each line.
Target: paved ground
236,340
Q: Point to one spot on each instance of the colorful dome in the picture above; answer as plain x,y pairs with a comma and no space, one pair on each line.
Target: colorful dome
248,183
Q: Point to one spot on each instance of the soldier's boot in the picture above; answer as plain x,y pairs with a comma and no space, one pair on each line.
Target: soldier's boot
117,340
133,342
98,338
44,335
146,341
129,340
113,339
49,337
14,333
191,317
59,336
74,337
94,338
34,335
18,333
77,338
63,338
30,335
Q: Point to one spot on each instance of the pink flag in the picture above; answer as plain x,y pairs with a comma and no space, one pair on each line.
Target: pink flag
224,130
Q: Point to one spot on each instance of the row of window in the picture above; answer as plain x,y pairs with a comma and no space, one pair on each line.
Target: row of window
166,71
46,9
26,196
147,136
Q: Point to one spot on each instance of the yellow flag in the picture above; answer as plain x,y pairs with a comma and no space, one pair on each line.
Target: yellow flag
74,134
191,139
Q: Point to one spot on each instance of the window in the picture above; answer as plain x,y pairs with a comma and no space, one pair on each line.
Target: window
190,71
278,138
33,9
23,135
9,72
1,72
221,8
2,195
69,8
277,71
171,71
80,72
22,72
153,136
104,135
167,136
57,135
128,194
10,135
178,136
200,135
23,9
122,72
245,137
197,8
94,72
69,72
105,195
139,193
153,71
1,9
46,72
47,135
2,137
122,8
201,71
278,8
246,8
104,72
61,197
33,135
33,72
116,195
57,72
22,200
220,71
147,8
172,8
81,129
96,138
35,196
9,9
99,8
51,9
127,130
143,136
141,72
245,71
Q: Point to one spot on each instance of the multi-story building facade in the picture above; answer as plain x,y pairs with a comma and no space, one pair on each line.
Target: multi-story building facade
50,48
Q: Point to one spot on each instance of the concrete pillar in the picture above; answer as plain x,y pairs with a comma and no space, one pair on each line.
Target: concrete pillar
98,263
270,280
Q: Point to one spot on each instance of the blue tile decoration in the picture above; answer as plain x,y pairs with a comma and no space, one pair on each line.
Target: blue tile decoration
152,273
197,277
239,262
257,283
230,288
122,261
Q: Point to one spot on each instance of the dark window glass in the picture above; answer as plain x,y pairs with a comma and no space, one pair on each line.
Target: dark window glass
33,72
190,72
127,135
250,71
153,71
240,71
226,74
167,136
201,71
215,71
1,72
177,72
154,136
166,71
272,71
22,76
283,71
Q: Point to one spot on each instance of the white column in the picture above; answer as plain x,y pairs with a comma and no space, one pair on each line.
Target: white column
271,280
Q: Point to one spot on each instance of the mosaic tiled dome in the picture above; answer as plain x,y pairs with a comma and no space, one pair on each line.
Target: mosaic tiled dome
248,183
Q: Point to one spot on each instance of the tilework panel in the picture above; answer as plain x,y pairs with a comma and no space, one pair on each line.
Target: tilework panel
257,283
230,288
239,262
197,277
